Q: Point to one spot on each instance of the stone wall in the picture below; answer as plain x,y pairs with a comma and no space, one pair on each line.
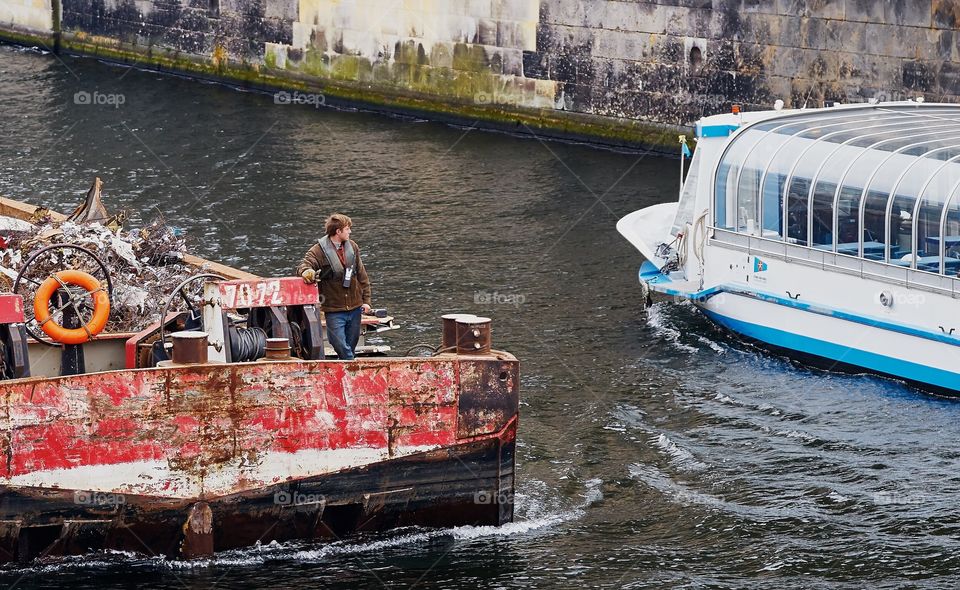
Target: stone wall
27,21
616,71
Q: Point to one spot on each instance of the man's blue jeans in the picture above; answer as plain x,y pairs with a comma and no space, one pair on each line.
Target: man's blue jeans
343,330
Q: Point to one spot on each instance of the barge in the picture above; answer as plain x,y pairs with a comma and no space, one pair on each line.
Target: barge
174,441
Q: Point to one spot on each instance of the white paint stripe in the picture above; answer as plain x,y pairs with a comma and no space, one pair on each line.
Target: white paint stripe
157,478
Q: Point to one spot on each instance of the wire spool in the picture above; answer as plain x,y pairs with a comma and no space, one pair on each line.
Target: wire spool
248,344
473,335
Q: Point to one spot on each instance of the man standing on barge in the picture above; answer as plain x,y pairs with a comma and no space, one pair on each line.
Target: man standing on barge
334,261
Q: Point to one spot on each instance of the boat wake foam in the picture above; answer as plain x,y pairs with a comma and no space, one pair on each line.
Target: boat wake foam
678,455
664,326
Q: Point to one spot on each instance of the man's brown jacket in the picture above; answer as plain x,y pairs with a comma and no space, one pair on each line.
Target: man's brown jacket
333,297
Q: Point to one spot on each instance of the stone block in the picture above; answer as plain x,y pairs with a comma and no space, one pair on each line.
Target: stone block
620,16
282,9
480,8
845,36
947,46
910,13
528,33
557,38
487,32
786,61
619,45
302,33
512,62
918,76
826,9
896,41
948,79
516,10
441,55
563,68
545,90
946,14
869,11
764,29
363,43
275,55
534,64
564,12
469,58
653,19
460,29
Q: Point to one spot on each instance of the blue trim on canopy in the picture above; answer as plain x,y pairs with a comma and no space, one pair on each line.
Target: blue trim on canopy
715,130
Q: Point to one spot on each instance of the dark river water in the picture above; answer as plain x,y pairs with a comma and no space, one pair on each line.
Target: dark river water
654,450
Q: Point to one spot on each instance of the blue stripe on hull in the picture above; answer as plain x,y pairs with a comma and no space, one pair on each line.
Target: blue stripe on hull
851,356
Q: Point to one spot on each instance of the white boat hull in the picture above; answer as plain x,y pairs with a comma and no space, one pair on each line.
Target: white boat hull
843,321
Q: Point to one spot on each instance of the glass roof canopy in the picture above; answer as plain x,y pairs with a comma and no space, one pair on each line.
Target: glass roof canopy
879,182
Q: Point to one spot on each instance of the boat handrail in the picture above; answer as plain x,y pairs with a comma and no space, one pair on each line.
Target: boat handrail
828,260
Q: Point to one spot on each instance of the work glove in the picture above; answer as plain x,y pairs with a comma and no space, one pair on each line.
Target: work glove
309,275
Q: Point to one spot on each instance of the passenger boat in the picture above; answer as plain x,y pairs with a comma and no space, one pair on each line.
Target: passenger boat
171,442
829,233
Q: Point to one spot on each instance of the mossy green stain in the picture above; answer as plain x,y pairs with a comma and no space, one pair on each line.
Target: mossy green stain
470,58
26,38
451,94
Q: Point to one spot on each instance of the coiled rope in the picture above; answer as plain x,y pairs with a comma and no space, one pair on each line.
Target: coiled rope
247,344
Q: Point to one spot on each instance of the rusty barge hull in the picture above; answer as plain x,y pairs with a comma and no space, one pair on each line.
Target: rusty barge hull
184,461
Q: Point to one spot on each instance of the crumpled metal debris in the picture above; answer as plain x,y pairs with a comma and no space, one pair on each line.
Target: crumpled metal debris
145,264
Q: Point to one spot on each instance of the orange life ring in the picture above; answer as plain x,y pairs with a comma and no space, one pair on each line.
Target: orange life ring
101,307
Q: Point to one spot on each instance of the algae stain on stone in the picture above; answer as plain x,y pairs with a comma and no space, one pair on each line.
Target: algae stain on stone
219,56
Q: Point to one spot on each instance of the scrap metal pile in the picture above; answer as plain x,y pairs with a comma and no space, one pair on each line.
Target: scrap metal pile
145,265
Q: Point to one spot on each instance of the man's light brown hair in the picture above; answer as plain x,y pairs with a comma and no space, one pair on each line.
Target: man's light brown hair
335,222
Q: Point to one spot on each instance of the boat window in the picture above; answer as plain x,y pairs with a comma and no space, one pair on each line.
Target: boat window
930,214
726,176
748,202
847,220
772,204
901,230
821,228
860,169
797,221
916,176
874,218
727,208
952,238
